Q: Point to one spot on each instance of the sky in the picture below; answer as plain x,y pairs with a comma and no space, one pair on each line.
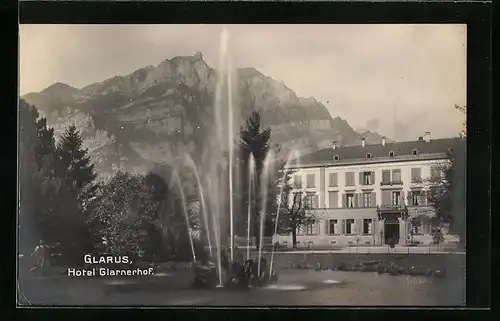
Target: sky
398,80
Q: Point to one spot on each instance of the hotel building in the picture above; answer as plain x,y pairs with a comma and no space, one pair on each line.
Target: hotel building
369,194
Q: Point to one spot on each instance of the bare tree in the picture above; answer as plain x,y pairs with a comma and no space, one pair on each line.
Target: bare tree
294,215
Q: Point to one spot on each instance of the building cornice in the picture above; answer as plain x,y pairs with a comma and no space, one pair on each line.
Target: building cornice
374,161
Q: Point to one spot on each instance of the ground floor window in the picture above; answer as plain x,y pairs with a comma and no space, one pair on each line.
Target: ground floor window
308,229
367,226
333,227
349,226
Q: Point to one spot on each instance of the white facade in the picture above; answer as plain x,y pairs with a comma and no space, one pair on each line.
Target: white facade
354,198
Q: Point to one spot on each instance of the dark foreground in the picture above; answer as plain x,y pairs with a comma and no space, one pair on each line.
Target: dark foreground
298,285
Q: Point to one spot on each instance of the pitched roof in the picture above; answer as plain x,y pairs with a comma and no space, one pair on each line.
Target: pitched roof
380,152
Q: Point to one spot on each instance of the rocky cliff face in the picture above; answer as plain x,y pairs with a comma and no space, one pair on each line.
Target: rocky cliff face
155,113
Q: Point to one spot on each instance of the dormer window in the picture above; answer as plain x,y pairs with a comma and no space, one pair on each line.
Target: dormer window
368,156
336,157
414,152
391,153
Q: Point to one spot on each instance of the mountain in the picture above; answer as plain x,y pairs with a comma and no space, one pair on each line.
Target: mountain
154,114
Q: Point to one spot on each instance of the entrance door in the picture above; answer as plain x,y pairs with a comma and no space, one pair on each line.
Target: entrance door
391,232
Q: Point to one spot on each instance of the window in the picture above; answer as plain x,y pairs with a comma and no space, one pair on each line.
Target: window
391,153
336,157
386,176
349,226
332,180
311,181
333,227
396,175
414,152
297,181
367,199
350,200
349,179
416,175
367,178
311,200
367,226
333,199
369,156
396,198
416,197
310,228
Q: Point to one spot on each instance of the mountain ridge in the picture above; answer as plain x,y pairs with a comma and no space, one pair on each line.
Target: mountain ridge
153,113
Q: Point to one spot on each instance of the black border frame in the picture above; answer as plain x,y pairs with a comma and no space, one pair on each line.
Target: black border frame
477,16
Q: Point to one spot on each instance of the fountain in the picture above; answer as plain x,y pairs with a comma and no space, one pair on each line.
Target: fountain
177,181
190,163
263,186
216,180
293,155
251,187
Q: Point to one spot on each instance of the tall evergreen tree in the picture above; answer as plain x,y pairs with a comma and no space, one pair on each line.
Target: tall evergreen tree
254,140
74,165
76,174
37,184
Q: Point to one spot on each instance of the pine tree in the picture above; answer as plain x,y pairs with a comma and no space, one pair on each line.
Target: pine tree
38,186
76,174
74,165
255,141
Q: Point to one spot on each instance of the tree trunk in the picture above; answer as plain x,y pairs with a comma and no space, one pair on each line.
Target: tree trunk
294,238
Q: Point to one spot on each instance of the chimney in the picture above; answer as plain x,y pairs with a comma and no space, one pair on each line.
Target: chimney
363,142
383,140
334,144
427,137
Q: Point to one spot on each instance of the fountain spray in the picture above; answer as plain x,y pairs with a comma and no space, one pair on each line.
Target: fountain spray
176,180
251,177
231,150
264,184
190,163
292,155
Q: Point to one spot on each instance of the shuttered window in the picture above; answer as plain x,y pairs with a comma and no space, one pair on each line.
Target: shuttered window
386,176
366,178
396,175
297,181
333,199
367,200
367,226
350,198
416,175
350,228
334,228
386,198
349,179
311,228
332,180
311,182
396,198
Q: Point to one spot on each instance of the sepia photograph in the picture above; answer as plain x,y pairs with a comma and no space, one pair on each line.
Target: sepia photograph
242,165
